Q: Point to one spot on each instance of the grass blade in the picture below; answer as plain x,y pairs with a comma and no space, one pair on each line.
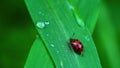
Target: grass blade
56,22
38,56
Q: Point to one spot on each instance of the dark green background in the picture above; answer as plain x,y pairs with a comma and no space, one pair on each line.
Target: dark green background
17,33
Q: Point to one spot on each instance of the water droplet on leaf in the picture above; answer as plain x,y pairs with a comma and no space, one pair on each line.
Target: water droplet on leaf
47,34
61,64
57,51
52,45
47,23
40,13
70,6
80,22
87,38
40,24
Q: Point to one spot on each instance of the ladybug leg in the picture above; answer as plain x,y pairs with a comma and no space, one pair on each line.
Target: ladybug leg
82,54
69,45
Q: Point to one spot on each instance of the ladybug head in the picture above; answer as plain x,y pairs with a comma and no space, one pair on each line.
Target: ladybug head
73,35
72,40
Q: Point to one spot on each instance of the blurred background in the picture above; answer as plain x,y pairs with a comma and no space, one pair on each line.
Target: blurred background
107,34
17,33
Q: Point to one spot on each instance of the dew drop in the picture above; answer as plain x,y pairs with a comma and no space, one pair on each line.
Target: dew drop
70,6
40,24
40,13
57,51
87,38
47,34
61,64
47,23
52,45
80,22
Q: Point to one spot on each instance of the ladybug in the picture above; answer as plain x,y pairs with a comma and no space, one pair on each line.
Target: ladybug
76,45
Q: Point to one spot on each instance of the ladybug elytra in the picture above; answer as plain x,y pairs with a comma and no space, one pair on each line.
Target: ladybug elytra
76,45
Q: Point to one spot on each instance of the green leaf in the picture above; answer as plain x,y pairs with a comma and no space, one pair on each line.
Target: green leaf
38,56
88,10
56,21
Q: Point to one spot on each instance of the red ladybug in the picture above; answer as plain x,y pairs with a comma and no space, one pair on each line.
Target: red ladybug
76,45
